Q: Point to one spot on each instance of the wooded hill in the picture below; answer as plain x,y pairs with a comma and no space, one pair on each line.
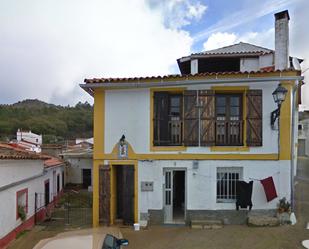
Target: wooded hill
55,123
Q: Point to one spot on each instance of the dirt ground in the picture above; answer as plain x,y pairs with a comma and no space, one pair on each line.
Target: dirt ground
230,236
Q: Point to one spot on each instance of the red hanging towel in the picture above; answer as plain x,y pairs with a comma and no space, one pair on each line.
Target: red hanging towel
269,188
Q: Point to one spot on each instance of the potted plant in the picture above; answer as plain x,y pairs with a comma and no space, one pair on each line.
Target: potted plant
284,205
22,213
284,214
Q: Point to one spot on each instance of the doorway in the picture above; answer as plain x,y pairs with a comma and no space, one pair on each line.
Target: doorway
86,178
174,196
125,194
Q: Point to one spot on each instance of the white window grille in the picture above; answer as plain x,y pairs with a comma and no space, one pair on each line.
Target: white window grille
227,178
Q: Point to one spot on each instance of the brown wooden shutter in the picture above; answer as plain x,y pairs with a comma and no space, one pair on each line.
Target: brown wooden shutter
104,194
254,117
160,119
190,118
206,104
206,99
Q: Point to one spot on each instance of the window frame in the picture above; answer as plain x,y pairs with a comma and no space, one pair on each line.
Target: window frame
228,119
228,183
171,91
18,195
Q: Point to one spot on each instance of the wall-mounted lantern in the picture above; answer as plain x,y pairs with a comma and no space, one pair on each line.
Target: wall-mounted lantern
121,140
279,96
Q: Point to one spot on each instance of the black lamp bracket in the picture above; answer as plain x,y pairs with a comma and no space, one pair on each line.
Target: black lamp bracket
274,115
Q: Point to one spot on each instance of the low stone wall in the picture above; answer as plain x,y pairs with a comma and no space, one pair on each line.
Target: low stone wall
228,217
263,222
156,217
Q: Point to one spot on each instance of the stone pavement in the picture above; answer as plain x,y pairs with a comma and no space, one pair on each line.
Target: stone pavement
230,236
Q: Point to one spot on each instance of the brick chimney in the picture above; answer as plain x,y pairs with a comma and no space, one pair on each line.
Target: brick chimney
282,40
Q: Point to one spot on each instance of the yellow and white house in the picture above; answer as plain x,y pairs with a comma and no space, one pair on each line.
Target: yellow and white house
171,149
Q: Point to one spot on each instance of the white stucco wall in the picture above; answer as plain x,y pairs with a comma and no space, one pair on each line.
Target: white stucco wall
16,170
128,113
249,64
266,60
28,136
75,169
201,188
8,197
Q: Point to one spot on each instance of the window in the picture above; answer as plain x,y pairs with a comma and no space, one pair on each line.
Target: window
229,121
46,191
58,183
21,200
226,183
300,127
62,179
208,118
167,119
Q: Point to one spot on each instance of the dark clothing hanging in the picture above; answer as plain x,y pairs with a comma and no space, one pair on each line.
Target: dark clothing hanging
269,188
244,193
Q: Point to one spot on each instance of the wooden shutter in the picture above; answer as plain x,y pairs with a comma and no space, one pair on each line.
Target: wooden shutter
128,195
206,104
190,118
254,117
104,194
160,119
206,99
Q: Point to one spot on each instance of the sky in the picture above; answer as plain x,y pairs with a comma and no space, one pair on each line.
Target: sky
48,48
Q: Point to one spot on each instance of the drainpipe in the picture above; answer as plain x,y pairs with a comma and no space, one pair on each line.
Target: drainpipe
293,144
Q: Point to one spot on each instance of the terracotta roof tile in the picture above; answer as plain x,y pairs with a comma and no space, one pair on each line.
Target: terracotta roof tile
159,78
53,161
9,152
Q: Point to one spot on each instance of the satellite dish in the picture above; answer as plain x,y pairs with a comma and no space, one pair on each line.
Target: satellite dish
296,64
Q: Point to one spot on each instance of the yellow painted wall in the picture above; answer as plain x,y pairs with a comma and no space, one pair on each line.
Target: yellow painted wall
285,125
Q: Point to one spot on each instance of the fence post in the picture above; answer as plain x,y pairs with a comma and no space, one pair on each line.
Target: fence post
68,208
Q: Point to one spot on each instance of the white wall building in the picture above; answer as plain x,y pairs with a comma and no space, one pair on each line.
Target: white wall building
29,137
303,137
22,174
171,149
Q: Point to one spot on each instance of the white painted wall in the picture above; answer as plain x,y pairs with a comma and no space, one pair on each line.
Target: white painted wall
128,113
249,64
304,133
16,170
75,169
8,196
28,136
201,187
266,60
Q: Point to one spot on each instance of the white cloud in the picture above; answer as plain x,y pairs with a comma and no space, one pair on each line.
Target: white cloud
47,48
218,40
196,11
178,13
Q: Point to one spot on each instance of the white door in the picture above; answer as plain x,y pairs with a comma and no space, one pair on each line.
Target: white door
168,196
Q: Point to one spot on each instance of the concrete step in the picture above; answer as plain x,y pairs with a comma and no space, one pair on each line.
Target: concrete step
263,222
206,224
